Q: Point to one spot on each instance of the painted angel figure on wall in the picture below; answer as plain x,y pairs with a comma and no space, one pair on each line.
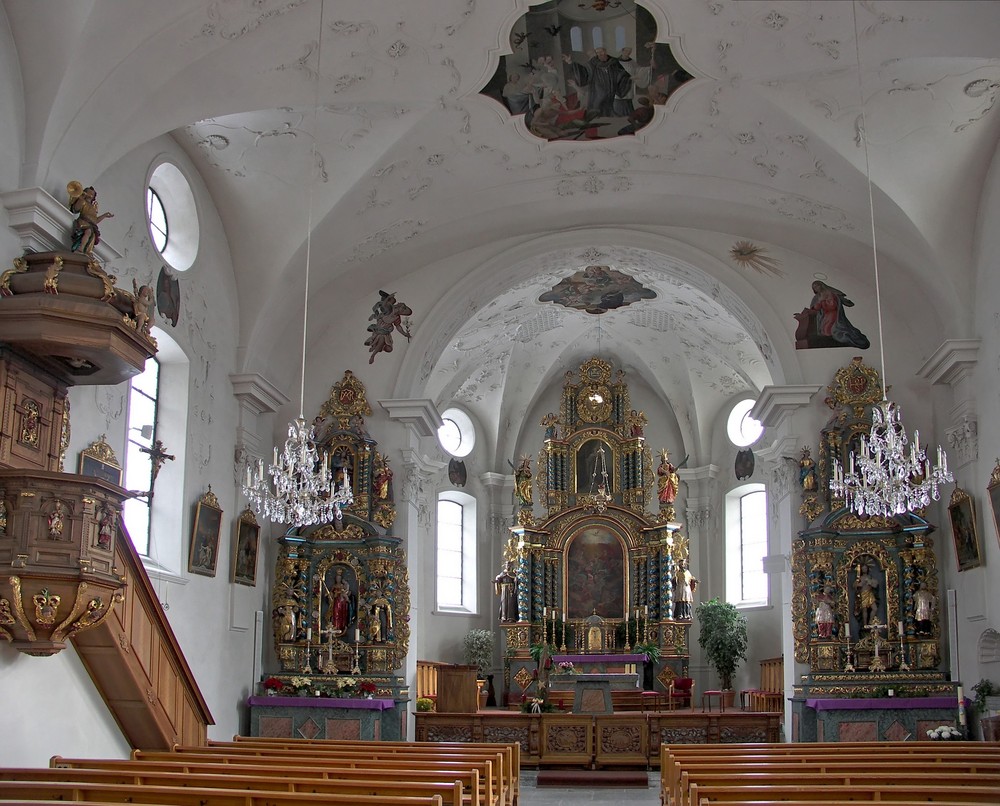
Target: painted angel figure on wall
825,324
387,315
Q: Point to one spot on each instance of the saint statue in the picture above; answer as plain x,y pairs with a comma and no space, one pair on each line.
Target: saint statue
685,585
505,585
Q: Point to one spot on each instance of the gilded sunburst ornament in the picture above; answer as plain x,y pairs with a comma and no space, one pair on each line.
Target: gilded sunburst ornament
748,255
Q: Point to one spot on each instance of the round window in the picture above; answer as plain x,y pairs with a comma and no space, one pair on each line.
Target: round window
172,216
457,434
743,429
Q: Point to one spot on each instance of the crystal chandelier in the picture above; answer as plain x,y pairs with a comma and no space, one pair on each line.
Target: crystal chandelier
298,487
598,498
885,478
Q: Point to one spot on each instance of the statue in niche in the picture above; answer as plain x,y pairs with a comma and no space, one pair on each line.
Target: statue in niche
341,603
866,595
685,584
825,617
924,604
505,585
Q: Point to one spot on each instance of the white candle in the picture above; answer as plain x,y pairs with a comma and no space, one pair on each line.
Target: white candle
900,627
961,697
309,633
564,616
357,635
847,631
545,612
275,456
646,610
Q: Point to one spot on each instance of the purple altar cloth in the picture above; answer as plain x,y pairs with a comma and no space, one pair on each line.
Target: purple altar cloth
580,660
849,704
324,702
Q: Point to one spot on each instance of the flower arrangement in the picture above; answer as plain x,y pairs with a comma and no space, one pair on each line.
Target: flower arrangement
944,733
273,685
567,667
366,688
309,687
425,704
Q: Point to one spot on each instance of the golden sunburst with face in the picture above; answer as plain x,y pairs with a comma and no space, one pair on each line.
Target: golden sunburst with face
748,255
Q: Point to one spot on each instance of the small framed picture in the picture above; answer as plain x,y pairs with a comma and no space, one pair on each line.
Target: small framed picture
205,535
993,491
962,510
98,460
245,539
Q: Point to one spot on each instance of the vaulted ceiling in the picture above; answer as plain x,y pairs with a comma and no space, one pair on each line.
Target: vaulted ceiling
377,111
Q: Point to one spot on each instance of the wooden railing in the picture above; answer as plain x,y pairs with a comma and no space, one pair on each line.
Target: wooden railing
138,666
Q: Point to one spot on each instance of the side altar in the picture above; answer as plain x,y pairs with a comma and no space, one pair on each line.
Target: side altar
341,598
865,612
596,565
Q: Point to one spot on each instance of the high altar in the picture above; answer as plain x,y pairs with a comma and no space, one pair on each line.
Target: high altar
866,600
341,598
590,565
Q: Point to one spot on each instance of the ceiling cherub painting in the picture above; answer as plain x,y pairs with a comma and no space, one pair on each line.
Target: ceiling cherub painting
585,70
597,289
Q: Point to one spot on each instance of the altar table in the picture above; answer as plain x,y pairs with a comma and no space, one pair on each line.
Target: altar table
327,718
843,719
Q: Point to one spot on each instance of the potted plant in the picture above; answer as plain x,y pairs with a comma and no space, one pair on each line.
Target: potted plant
478,646
723,636
651,650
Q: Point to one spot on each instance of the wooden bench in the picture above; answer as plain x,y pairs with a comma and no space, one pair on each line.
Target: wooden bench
812,759
195,796
347,781
695,786
508,775
773,794
671,776
297,778
429,756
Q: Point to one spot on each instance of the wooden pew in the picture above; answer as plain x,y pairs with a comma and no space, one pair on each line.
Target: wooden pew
451,793
194,796
962,758
813,767
296,778
917,792
695,786
509,775
366,755
510,749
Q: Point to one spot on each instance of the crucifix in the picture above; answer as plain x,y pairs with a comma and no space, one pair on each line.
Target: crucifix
157,457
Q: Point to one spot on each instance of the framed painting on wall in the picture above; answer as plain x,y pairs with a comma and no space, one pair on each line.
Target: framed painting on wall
595,573
245,541
993,491
98,460
962,511
205,535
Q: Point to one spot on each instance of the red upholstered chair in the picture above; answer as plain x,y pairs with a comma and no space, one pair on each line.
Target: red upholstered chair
681,692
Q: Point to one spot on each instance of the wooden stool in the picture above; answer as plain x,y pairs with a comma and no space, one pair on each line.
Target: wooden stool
707,696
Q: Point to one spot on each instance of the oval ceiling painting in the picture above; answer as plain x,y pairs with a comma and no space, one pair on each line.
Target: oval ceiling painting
585,70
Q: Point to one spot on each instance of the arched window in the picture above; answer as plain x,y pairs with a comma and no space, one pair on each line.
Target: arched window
746,545
576,38
597,35
620,37
143,403
456,552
